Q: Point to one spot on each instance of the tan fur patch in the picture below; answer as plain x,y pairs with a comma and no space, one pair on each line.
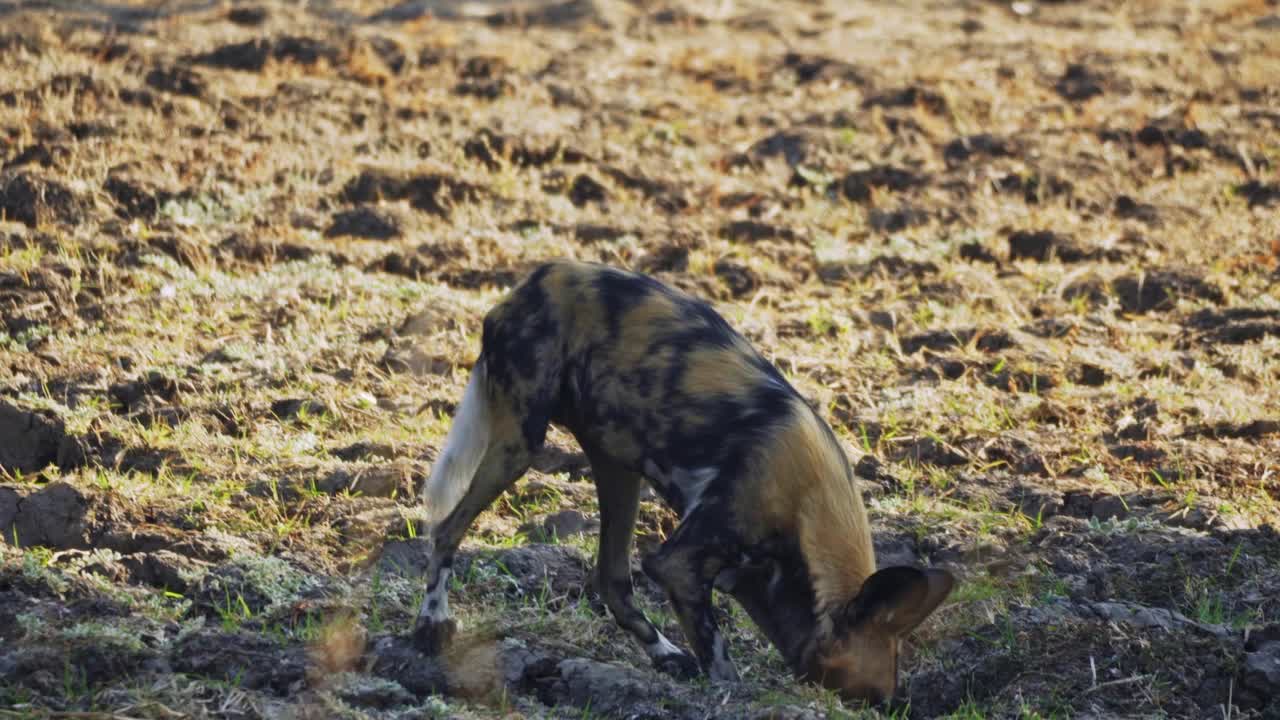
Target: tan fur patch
638,326
718,371
799,485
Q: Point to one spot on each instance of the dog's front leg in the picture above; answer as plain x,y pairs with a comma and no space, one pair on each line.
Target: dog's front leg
686,567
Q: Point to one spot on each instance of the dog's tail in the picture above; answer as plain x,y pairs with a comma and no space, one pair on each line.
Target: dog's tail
464,449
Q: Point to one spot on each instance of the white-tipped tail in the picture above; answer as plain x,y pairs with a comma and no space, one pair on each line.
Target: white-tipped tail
464,449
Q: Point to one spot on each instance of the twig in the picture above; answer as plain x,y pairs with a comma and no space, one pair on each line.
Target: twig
1231,688
1121,681
64,714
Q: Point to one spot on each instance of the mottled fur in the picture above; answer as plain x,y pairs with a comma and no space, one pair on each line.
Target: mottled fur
656,386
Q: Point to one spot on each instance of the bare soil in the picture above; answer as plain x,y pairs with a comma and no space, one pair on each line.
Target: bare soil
1023,256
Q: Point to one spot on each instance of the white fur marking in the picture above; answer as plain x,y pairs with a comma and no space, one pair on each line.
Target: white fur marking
654,473
435,606
464,449
662,647
692,484
721,666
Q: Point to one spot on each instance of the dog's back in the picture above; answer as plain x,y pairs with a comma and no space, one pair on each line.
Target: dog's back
637,370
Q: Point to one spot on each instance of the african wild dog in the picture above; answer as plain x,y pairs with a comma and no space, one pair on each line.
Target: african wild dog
656,386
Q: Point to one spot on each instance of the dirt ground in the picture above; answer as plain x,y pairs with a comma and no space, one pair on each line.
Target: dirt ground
1023,256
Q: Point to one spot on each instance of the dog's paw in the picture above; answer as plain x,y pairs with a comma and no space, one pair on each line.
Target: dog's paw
434,636
680,665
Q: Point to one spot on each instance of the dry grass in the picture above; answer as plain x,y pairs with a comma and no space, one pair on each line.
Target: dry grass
805,166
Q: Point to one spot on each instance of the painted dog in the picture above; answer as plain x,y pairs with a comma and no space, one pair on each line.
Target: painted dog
656,386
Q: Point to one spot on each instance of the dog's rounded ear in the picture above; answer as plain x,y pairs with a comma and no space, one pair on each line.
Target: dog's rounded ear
897,599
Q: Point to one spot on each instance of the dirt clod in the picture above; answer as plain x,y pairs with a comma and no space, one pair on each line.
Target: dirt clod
58,515
248,660
963,149
1159,290
432,193
1262,670
365,222
1080,83
586,189
610,689
857,185
34,200
177,80
291,408
252,55
29,440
